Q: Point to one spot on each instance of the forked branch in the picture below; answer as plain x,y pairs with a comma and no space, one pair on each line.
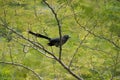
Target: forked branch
59,26
4,24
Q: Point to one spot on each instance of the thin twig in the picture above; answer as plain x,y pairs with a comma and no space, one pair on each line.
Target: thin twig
23,66
80,46
42,48
77,49
96,49
10,53
101,37
35,44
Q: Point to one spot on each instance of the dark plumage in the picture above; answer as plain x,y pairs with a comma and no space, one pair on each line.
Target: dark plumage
52,41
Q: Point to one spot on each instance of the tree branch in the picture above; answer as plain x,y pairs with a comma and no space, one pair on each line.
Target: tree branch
42,48
59,26
11,57
101,37
80,46
77,50
21,65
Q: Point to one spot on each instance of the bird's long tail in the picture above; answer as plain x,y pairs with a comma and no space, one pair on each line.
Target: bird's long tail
39,35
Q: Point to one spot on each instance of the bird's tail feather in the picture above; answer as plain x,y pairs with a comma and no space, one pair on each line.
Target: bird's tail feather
39,35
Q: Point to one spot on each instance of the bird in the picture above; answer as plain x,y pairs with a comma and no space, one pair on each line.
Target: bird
52,41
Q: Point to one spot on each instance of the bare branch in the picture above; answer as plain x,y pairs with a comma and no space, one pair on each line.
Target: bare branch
96,49
35,11
101,37
34,43
67,68
21,65
77,50
59,26
79,46
36,48
42,48
10,53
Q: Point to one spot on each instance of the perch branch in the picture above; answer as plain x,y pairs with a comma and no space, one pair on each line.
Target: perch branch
59,26
4,24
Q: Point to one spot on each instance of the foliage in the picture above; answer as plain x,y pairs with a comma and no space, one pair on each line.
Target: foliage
94,27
